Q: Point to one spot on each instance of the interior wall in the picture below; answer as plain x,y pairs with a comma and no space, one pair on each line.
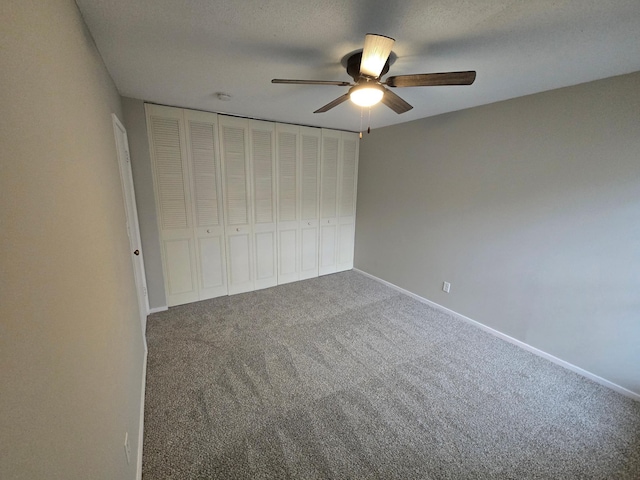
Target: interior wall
135,122
71,343
529,207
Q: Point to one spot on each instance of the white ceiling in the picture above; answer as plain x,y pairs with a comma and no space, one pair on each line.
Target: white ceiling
182,52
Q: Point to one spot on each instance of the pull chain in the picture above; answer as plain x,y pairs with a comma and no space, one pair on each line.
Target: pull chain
362,119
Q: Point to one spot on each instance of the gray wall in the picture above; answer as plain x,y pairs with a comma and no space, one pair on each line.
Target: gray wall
529,207
71,343
136,124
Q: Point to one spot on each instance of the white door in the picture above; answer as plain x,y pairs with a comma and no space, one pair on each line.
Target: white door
288,217
133,230
206,188
236,187
173,201
347,181
263,182
309,201
330,154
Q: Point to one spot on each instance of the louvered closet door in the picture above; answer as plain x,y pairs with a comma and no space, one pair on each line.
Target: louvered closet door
288,217
347,181
206,188
263,167
330,154
234,150
310,139
173,202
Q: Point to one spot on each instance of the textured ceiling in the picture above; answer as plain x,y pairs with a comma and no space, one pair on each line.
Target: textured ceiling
182,52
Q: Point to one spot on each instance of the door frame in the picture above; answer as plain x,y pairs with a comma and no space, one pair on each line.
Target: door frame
132,225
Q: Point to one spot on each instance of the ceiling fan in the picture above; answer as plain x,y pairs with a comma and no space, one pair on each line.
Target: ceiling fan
367,67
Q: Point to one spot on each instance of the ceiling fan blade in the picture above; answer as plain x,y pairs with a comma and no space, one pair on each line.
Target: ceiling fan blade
375,53
311,82
432,79
394,102
334,103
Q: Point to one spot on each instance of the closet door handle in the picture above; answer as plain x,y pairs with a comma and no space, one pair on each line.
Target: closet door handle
136,252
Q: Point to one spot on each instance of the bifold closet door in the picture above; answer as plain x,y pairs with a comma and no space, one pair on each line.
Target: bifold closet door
186,174
234,152
347,181
263,196
338,180
247,204
309,175
330,152
206,188
173,202
288,137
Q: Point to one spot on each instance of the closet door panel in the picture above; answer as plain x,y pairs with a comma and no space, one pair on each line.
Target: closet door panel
288,137
178,254
346,232
236,186
263,168
348,176
310,140
329,165
236,173
213,262
173,202
310,172
202,135
309,254
239,260
328,248
347,180
167,141
265,243
329,174
287,261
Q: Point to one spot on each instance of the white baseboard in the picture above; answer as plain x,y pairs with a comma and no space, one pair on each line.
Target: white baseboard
141,423
514,341
158,309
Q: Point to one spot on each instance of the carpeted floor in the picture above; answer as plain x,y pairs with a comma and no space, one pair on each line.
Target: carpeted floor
342,377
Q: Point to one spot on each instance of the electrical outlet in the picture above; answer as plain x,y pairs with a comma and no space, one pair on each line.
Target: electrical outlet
127,448
446,287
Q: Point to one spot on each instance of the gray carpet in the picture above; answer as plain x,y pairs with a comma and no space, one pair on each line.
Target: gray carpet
342,377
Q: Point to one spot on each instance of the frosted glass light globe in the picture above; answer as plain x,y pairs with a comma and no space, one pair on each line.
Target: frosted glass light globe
366,95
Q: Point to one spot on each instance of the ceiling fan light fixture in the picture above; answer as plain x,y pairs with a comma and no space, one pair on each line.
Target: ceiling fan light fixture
367,67
366,95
